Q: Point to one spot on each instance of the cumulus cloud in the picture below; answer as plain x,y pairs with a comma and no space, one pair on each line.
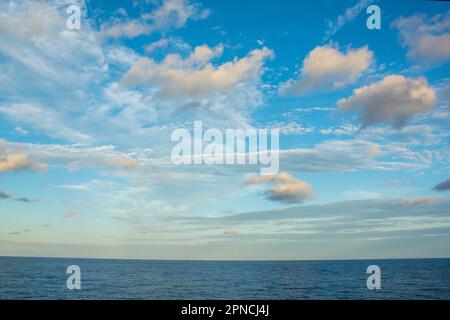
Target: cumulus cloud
326,68
443,186
66,98
286,188
291,192
17,161
426,37
170,14
195,75
71,214
395,100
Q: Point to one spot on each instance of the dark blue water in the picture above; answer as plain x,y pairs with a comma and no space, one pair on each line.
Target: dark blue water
45,278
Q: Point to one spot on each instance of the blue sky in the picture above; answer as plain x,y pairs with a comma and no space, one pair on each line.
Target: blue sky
86,118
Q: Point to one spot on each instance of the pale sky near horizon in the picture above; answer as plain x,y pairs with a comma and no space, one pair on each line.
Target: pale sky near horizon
86,118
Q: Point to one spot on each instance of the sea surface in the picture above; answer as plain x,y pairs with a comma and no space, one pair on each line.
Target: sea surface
45,278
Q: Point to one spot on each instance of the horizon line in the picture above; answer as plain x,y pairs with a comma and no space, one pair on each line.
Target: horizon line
226,260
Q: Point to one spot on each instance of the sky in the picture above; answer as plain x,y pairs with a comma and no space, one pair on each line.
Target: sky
87,114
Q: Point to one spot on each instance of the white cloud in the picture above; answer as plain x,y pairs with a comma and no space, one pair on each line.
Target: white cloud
314,109
195,75
326,68
183,88
332,156
78,156
128,29
75,187
43,119
170,43
354,155
33,33
345,129
395,100
67,98
349,15
327,156
426,37
171,14
21,131
42,91
411,135
295,129
175,14
290,128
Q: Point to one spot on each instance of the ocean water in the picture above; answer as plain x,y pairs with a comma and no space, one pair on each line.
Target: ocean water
45,278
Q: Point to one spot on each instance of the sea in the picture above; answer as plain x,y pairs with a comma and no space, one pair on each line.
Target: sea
46,278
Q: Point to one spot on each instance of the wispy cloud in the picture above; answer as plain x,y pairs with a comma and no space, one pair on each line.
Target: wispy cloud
25,200
77,187
418,201
71,214
170,14
394,100
349,15
4,196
